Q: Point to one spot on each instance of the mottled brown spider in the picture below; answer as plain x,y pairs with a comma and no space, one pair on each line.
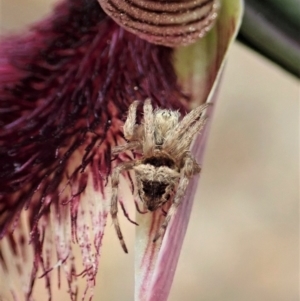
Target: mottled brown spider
166,165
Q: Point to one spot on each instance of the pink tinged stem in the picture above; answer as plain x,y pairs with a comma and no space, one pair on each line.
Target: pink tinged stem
155,267
155,263
161,277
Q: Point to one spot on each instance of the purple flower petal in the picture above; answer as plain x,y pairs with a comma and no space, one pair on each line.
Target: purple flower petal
65,87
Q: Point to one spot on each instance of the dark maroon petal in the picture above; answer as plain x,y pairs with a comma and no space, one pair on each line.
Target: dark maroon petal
65,87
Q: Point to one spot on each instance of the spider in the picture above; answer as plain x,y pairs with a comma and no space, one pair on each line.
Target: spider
166,165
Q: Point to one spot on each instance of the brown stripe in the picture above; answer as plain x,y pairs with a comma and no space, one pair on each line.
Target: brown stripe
171,28
163,7
166,18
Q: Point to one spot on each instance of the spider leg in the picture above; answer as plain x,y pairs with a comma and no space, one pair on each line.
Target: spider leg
192,132
179,146
191,167
114,198
183,129
130,123
189,119
187,172
128,146
149,142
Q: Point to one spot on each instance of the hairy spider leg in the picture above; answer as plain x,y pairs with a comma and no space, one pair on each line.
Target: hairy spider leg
189,119
114,198
191,165
187,140
187,172
181,143
183,127
195,129
133,145
130,123
149,143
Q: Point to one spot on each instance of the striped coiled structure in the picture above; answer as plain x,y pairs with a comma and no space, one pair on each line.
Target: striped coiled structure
170,23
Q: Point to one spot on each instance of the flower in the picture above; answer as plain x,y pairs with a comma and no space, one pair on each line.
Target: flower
64,88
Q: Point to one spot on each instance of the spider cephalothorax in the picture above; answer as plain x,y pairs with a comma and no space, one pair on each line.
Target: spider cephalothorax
165,167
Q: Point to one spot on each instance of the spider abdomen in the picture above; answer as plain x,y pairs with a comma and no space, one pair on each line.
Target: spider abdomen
154,189
153,192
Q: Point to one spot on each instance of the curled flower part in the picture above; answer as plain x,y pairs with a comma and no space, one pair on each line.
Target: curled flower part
166,23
